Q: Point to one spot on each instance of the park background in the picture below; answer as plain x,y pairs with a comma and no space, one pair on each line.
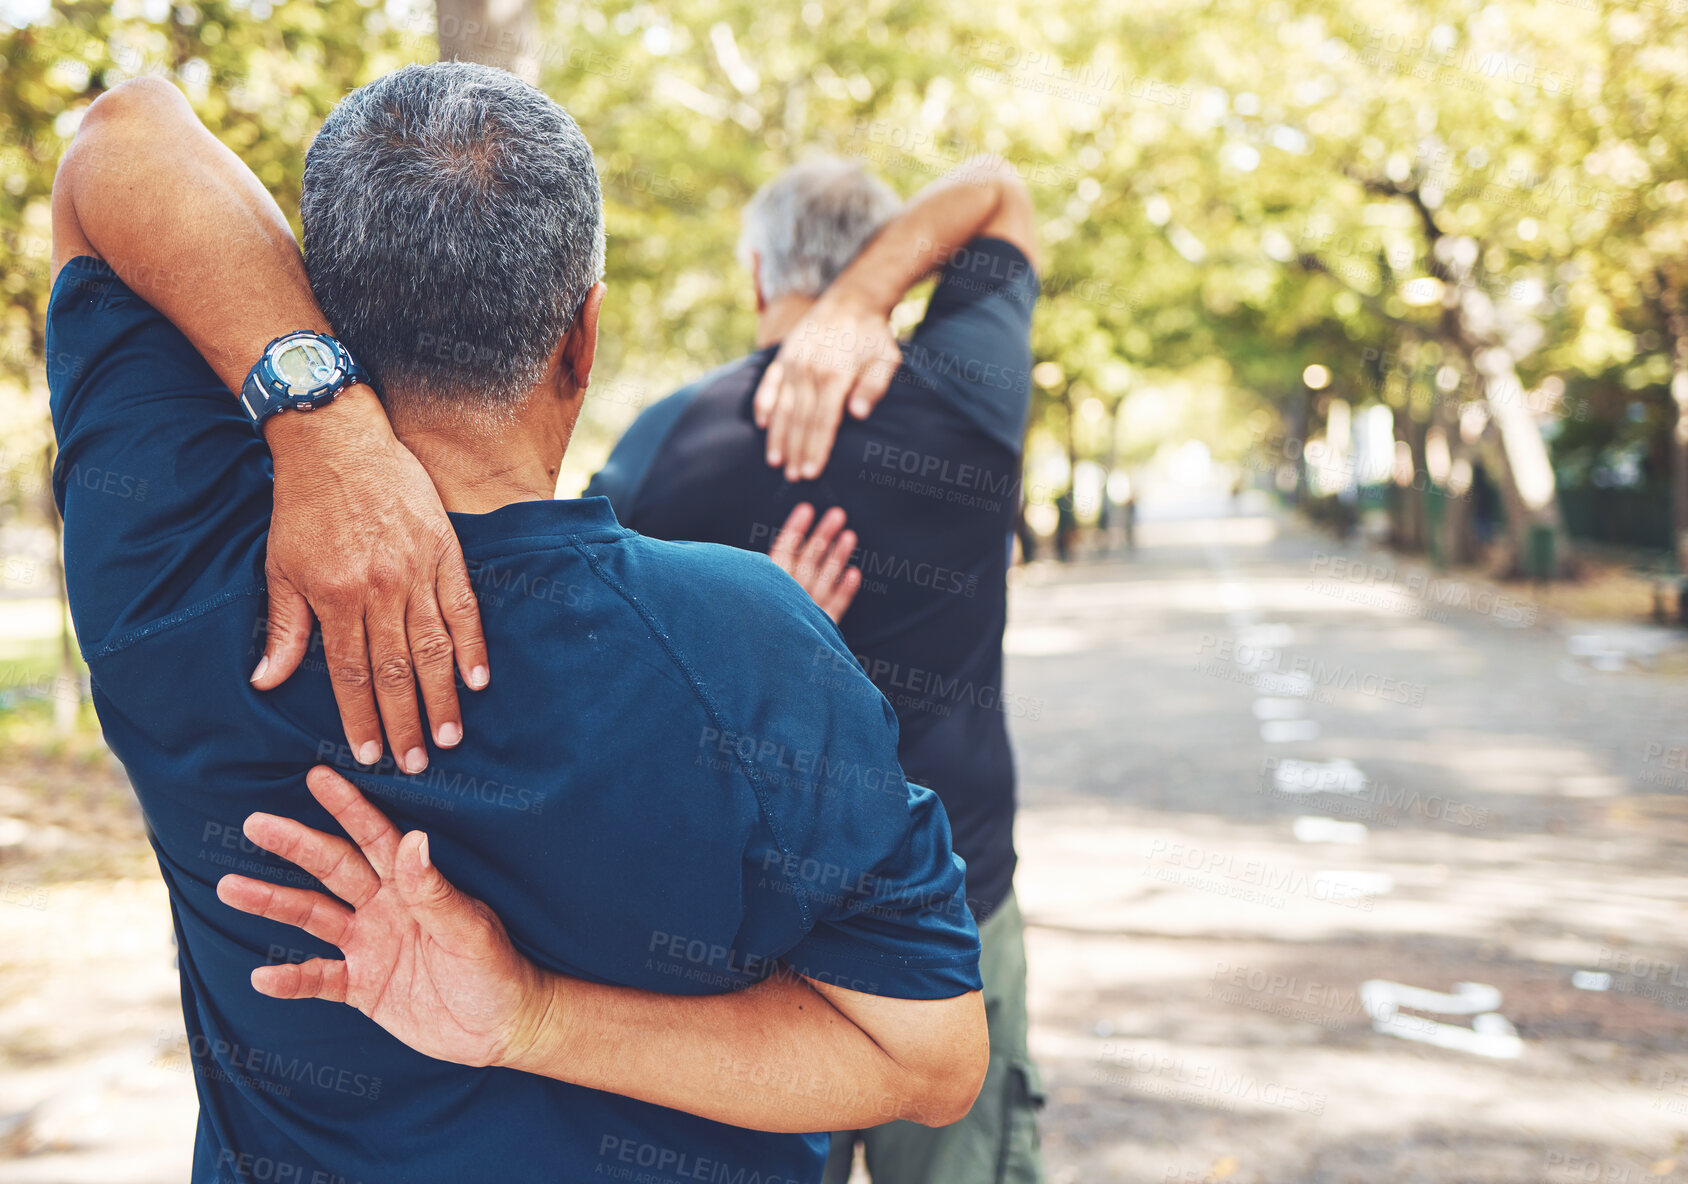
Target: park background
1383,301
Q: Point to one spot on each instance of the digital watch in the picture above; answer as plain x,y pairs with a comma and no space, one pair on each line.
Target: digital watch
301,371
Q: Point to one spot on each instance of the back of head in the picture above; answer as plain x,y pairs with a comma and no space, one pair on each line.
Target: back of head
810,221
453,226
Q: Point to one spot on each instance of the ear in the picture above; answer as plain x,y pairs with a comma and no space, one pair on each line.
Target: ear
579,346
756,281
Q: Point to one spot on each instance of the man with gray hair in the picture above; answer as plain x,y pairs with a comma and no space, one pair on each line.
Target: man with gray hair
926,473
712,941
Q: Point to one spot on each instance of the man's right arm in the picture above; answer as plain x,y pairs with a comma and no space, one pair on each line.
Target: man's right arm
843,352
358,534
437,970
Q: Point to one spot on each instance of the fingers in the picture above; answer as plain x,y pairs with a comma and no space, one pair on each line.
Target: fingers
767,395
874,380
320,978
822,412
836,585
837,601
790,537
445,914
340,866
395,687
431,652
790,416
377,838
287,634
348,671
815,550
318,915
463,617
832,574
818,563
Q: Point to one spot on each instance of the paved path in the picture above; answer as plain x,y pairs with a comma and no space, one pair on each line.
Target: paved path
1494,799
1260,770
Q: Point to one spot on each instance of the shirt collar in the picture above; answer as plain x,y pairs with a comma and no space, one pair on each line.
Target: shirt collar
589,519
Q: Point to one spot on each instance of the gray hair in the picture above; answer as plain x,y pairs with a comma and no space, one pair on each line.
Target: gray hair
810,221
453,227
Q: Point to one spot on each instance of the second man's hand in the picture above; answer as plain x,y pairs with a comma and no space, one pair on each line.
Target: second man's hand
360,540
819,559
841,354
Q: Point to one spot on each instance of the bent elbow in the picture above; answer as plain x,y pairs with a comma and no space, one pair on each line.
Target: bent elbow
948,1094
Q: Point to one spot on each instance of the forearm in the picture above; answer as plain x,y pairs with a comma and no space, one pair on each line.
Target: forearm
777,1056
177,215
982,195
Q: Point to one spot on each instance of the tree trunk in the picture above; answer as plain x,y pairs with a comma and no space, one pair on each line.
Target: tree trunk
502,33
1676,323
1524,474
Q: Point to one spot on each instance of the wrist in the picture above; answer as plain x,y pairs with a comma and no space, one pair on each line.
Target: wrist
855,295
355,417
541,1012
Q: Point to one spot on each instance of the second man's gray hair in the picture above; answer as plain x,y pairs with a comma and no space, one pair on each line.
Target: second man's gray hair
808,223
453,227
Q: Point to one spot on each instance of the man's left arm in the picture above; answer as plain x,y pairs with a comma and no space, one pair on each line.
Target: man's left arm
358,535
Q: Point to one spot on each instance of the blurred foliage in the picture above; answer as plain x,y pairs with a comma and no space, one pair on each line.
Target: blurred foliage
1230,191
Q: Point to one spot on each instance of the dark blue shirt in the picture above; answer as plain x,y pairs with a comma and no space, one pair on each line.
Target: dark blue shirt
677,777
931,483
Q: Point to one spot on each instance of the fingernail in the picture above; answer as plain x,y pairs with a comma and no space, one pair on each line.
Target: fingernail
422,850
858,408
263,665
449,734
369,753
811,471
415,761
479,677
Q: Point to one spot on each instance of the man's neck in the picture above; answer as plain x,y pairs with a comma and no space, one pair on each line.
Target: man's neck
479,470
777,318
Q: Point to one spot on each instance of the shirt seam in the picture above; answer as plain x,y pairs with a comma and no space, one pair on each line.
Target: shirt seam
715,718
914,962
153,628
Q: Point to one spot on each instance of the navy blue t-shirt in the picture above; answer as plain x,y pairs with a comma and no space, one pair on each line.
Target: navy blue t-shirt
931,484
655,791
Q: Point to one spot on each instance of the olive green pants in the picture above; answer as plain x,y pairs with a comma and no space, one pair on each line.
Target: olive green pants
997,1142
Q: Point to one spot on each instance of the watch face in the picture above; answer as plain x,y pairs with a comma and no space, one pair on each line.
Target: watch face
305,364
